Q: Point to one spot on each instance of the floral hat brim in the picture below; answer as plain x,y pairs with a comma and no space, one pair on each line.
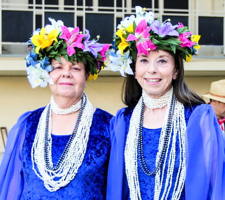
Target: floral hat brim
142,33
56,40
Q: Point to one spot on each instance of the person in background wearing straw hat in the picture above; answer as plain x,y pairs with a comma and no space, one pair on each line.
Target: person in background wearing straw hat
166,144
216,97
60,151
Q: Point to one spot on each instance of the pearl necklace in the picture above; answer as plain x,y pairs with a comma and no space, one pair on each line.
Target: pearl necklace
164,172
154,103
63,111
55,177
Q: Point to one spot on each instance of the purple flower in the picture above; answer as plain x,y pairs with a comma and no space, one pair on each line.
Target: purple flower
91,45
164,29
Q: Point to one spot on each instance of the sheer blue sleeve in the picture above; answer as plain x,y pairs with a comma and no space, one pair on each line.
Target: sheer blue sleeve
205,178
11,180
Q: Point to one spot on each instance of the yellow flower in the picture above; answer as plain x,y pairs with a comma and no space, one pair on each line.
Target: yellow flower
120,33
92,76
44,39
188,58
197,47
195,38
130,29
123,44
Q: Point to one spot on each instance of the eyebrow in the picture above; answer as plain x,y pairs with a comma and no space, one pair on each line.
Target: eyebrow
143,56
161,56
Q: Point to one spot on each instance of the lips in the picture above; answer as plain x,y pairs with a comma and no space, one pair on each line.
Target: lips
152,80
66,83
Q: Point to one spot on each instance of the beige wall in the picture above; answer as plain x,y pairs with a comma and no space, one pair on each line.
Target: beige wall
17,97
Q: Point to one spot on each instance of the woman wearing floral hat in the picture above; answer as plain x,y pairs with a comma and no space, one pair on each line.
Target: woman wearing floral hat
166,144
60,151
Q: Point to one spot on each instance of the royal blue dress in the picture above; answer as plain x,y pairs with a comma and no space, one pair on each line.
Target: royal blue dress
21,182
205,172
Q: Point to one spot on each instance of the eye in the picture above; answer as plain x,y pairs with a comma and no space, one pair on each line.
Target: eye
57,67
76,68
162,61
144,60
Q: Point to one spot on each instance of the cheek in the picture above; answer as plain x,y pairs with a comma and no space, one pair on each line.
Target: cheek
54,76
139,71
80,80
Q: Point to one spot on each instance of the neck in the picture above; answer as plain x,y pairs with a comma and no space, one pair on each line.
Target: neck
64,106
65,102
157,103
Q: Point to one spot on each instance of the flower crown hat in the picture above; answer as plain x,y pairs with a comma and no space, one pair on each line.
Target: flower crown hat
142,33
56,40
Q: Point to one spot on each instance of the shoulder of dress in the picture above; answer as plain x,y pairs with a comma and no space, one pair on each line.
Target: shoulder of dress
103,113
35,113
202,112
202,108
124,112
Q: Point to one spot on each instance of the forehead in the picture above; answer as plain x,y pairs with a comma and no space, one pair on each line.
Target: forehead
63,61
156,54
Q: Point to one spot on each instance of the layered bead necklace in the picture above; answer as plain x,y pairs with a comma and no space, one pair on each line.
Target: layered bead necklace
55,177
60,111
172,131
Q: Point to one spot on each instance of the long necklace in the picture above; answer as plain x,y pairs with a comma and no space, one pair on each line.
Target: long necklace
165,176
55,177
141,157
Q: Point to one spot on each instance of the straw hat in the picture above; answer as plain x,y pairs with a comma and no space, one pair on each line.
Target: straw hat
217,91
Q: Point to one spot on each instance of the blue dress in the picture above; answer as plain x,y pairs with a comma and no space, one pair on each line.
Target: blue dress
205,168
150,149
90,181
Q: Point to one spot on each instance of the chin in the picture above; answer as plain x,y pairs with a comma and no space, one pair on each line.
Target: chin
153,92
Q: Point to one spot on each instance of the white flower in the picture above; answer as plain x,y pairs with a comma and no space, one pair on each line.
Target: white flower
126,22
38,76
55,25
117,62
142,14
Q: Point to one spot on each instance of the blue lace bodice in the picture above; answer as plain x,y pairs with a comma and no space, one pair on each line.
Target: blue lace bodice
90,181
150,148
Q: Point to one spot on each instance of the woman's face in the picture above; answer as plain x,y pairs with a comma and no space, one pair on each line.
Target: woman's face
155,72
69,79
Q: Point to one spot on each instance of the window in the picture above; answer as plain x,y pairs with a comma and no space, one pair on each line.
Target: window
67,18
176,4
144,3
176,19
211,29
17,25
95,24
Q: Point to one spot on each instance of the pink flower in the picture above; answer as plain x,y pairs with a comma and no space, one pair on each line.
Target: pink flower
141,32
180,25
143,29
73,39
145,47
142,38
103,51
185,42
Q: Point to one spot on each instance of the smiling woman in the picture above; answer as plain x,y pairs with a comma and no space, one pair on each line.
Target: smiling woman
155,72
166,144
54,150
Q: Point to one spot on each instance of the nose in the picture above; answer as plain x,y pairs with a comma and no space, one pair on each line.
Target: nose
67,71
151,67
